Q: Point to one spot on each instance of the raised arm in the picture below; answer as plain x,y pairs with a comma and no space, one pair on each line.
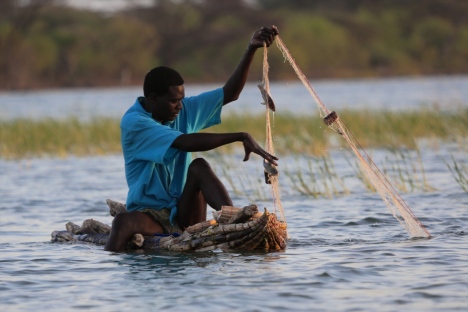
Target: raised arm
199,142
236,82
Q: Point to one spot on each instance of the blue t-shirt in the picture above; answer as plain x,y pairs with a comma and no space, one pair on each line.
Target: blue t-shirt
155,171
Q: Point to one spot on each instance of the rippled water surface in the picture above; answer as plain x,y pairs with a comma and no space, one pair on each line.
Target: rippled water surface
345,253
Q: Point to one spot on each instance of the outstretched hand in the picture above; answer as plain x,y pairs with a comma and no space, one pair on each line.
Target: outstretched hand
262,35
250,146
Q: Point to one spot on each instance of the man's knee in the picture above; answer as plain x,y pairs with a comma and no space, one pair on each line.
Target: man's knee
121,220
199,166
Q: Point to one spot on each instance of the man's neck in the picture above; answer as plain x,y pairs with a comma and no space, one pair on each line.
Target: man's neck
144,104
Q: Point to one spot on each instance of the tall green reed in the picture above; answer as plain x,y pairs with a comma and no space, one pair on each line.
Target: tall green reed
315,176
293,134
406,170
459,172
23,138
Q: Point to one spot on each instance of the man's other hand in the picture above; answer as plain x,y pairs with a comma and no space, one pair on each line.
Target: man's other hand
250,146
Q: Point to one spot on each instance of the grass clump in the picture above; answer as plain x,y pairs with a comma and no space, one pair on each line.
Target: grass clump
23,138
292,134
459,171
307,134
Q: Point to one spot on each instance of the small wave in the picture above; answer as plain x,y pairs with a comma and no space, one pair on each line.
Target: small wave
368,220
426,295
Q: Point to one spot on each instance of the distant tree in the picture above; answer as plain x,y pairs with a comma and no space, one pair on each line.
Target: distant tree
45,44
15,53
205,38
62,46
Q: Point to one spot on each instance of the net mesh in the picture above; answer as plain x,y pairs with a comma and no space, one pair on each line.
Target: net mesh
397,206
269,140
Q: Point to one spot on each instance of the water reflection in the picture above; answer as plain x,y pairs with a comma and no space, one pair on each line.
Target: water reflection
167,263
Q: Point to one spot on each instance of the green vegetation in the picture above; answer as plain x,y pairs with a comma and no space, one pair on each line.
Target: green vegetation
316,178
306,134
43,44
311,172
293,134
459,172
407,174
23,138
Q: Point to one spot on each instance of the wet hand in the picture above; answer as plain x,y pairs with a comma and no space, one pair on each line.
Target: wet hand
250,146
264,35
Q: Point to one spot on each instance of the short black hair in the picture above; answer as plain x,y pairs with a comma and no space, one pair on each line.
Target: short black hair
159,79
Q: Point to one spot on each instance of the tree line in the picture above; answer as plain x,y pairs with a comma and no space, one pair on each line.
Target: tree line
45,44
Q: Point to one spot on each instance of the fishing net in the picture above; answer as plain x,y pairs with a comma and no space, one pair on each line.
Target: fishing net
400,210
271,174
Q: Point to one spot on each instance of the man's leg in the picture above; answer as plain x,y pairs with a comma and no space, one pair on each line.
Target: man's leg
202,187
126,224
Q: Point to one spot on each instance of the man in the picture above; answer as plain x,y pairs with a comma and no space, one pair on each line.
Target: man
168,192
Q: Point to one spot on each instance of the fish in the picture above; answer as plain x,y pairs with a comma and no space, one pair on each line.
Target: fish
267,97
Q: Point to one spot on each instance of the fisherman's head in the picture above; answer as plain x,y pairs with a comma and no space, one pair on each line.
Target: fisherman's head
159,79
164,90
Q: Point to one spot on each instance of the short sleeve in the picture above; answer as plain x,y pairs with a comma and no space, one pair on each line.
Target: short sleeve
151,141
204,110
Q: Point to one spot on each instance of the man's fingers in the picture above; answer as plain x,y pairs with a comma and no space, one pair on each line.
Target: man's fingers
269,33
247,156
271,158
272,161
275,30
250,146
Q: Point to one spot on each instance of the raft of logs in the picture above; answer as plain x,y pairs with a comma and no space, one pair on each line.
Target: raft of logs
231,229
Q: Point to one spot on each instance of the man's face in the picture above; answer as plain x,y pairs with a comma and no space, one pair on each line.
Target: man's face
167,107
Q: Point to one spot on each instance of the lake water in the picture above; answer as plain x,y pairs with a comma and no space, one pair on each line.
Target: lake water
444,92
345,253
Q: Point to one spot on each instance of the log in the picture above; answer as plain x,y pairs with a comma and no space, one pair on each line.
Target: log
245,229
244,215
227,212
115,207
199,227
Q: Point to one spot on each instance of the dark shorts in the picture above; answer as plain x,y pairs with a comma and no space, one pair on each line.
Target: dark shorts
162,217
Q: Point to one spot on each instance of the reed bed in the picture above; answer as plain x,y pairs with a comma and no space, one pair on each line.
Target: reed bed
312,173
373,129
316,177
25,138
293,134
406,170
459,171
